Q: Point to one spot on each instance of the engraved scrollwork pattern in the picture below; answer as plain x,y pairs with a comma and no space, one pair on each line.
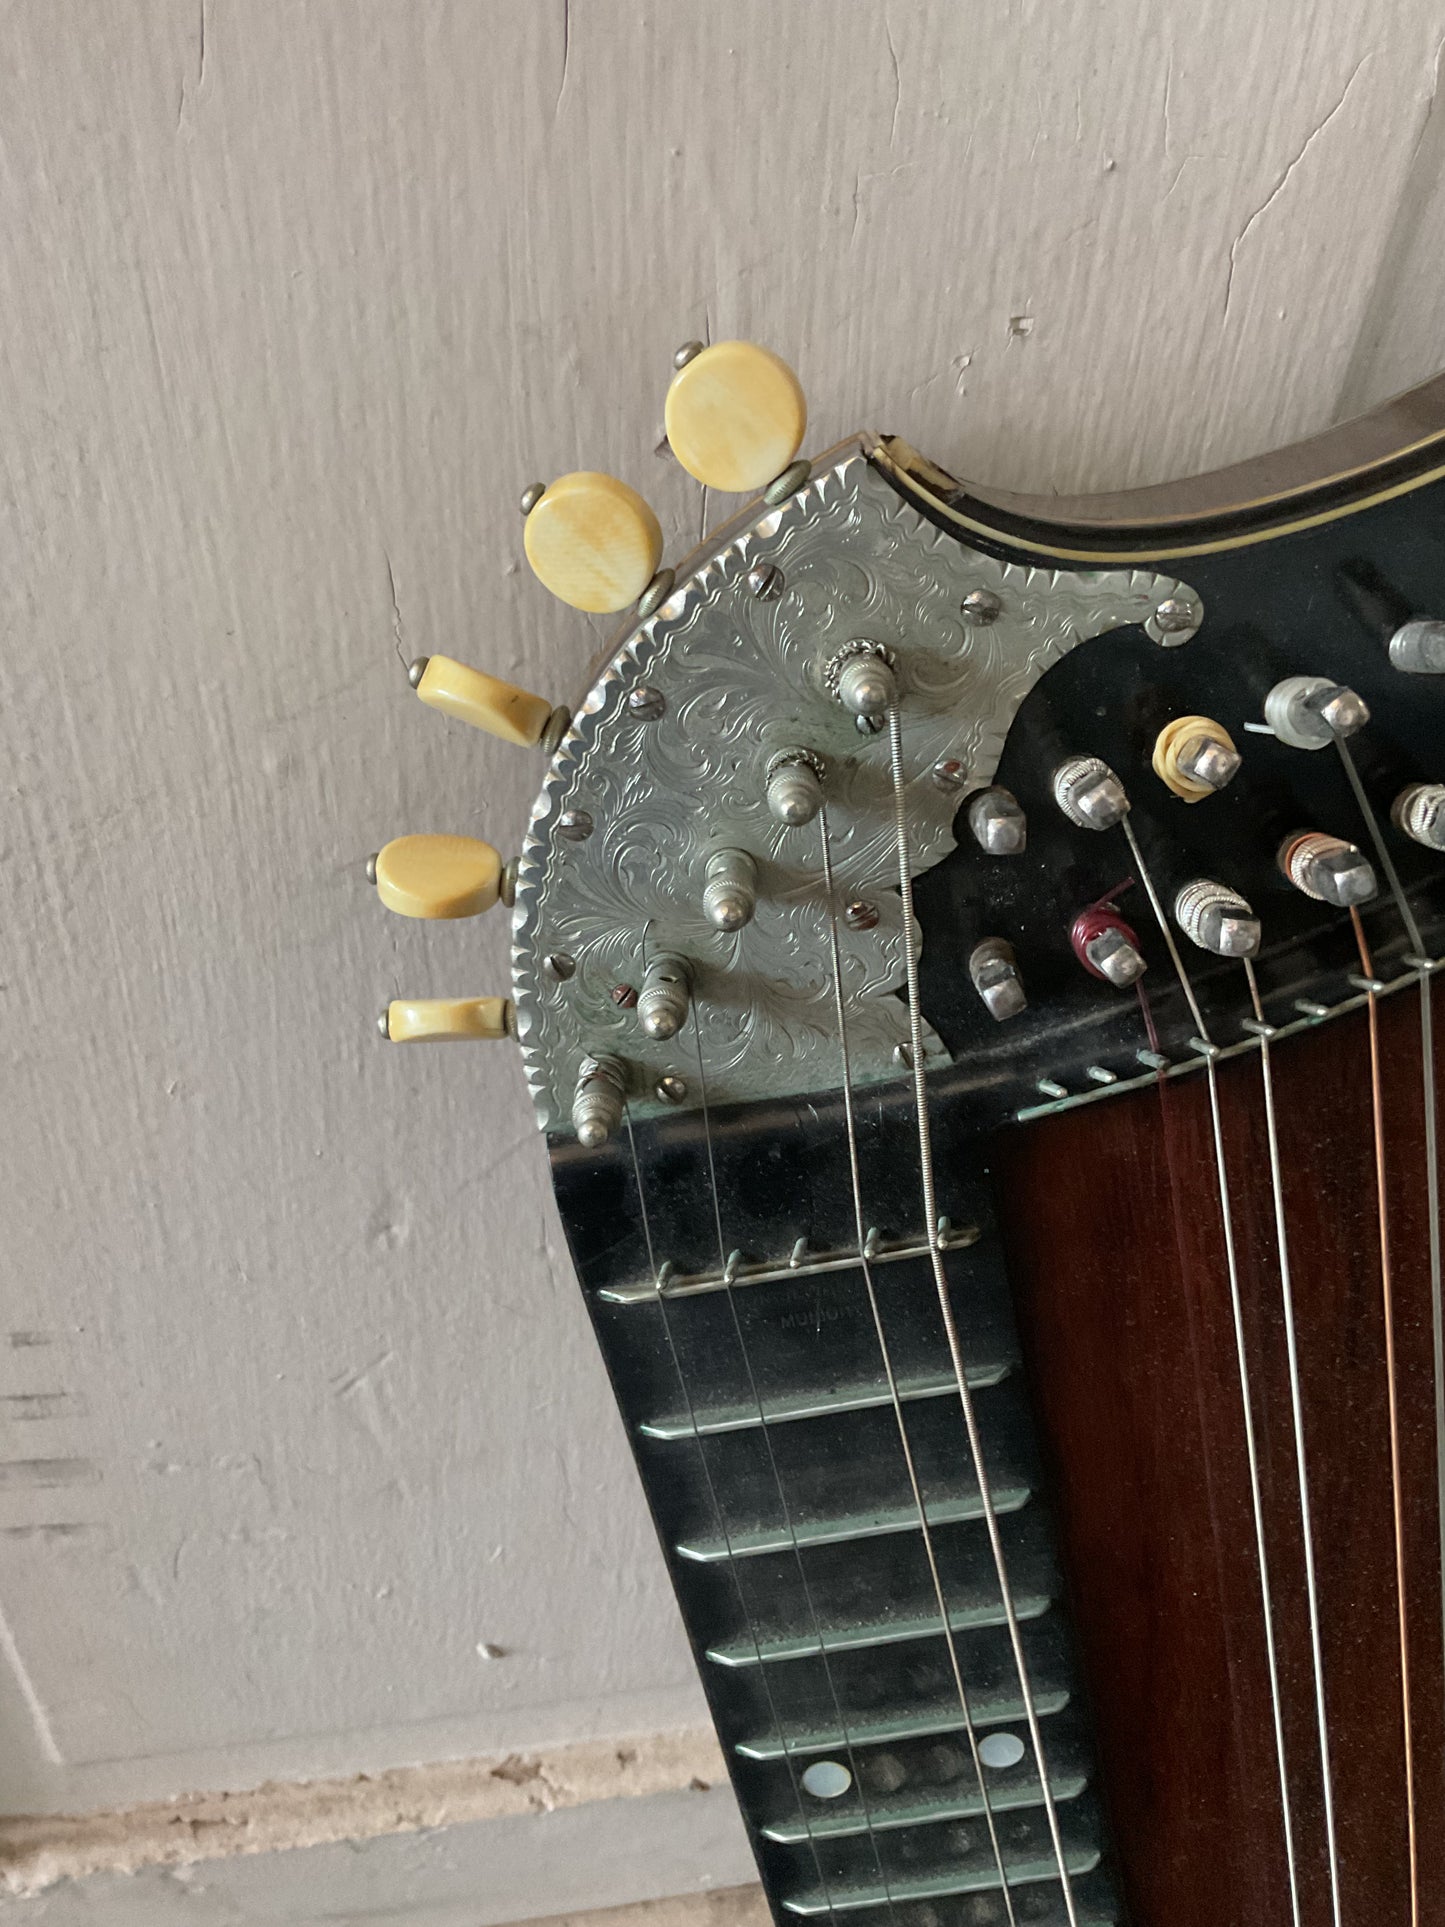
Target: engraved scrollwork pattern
742,678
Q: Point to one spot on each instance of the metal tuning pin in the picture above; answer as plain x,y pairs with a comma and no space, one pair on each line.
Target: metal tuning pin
1195,757
730,892
1420,812
1107,947
994,971
860,675
440,876
663,1000
593,542
735,417
1309,712
1327,868
1413,642
1089,793
598,1100
500,708
447,1020
794,783
998,822
1217,919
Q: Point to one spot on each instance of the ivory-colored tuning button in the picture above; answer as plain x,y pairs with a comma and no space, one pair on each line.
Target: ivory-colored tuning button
500,708
438,876
735,416
446,1020
593,542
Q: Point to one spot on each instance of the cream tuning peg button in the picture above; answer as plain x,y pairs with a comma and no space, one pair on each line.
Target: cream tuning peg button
735,416
438,876
593,542
446,1020
500,708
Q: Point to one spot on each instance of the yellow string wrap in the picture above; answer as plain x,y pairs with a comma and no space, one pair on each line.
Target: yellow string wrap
1170,743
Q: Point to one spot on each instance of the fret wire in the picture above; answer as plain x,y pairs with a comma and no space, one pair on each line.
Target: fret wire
1432,1148
940,1279
765,1433
885,1352
1241,1352
1266,1066
1382,1214
718,1513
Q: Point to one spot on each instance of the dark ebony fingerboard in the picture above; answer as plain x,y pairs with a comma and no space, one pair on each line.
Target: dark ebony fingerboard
768,1445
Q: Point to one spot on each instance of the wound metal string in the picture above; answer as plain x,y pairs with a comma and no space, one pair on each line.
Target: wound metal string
757,1399
915,1485
717,1511
1420,963
1297,1420
945,1303
1382,1212
1256,1494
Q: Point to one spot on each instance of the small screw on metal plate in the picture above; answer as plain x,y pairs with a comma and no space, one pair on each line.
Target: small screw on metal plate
371,866
671,1090
949,774
689,351
624,996
765,580
646,703
980,607
507,890
575,825
417,670
859,915
559,966
532,495
656,593
903,1055
1175,620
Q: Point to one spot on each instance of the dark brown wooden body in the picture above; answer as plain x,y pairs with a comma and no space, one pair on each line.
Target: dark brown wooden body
1116,1250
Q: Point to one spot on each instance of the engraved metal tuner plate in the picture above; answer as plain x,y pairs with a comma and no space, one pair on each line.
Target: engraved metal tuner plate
667,764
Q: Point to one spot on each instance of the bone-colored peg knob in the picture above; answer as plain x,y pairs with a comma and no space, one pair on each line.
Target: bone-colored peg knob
501,708
735,416
446,1020
438,876
593,542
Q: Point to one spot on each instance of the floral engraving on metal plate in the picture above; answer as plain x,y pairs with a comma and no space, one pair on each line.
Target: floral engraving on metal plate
741,678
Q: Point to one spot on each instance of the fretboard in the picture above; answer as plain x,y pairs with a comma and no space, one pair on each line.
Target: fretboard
767,1437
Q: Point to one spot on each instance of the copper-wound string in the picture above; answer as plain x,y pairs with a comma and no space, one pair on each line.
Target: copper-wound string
719,1515
1382,1212
1256,1493
1432,1149
1286,1281
945,1303
756,1398
915,1485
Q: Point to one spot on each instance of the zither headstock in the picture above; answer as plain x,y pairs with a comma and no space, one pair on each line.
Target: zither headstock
1133,827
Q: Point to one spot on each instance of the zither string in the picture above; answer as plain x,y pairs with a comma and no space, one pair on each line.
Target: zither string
767,1442
1266,1067
885,1353
1432,1152
1241,1353
945,1304
717,1511
1377,1112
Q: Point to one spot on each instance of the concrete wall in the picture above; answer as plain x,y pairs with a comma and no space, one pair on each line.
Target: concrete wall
298,1415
